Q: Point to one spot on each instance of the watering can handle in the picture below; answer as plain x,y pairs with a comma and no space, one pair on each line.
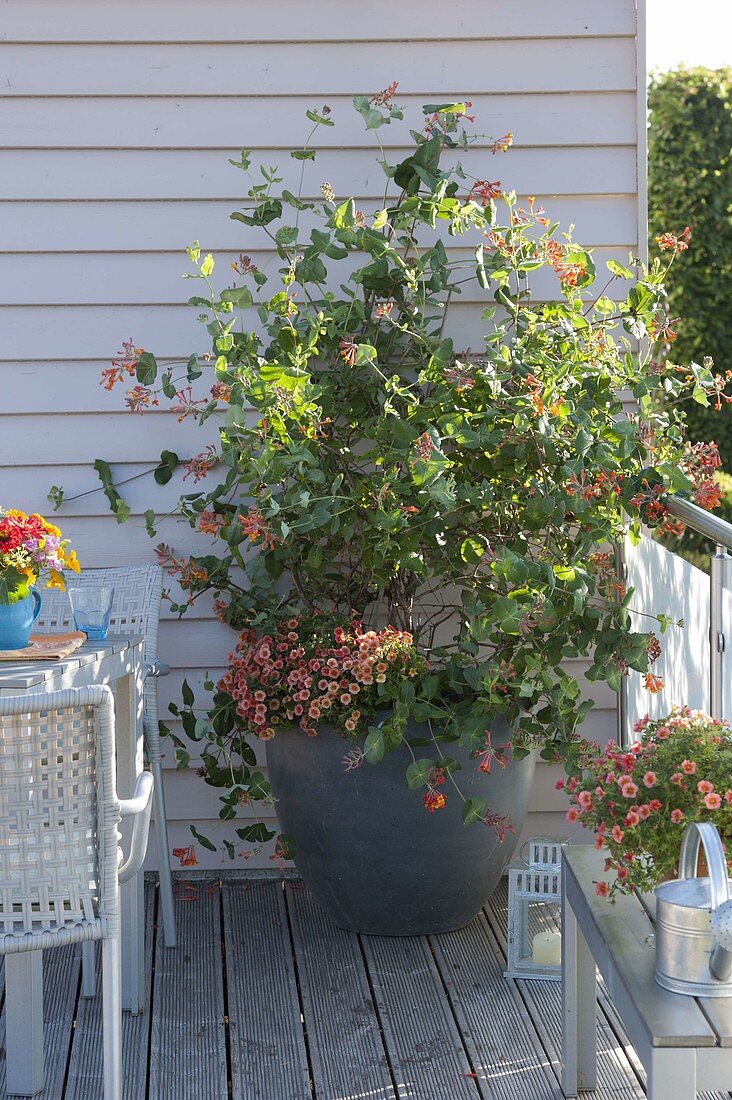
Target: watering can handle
706,834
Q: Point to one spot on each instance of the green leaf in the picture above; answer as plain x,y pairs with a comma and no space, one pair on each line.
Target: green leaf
187,693
164,470
374,747
472,551
266,212
208,265
146,370
379,219
14,586
371,116
474,809
302,154
315,116
119,507
618,269
244,160
56,496
240,296
202,840
419,772
255,834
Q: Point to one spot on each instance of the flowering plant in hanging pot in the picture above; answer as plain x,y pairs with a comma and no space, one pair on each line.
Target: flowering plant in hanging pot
31,549
377,486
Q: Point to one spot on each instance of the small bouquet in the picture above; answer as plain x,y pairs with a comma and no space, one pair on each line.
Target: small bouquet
638,800
31,549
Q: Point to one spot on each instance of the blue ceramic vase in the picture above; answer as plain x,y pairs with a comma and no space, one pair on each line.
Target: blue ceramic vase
16,621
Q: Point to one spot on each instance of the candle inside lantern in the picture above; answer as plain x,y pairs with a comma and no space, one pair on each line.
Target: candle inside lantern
547,949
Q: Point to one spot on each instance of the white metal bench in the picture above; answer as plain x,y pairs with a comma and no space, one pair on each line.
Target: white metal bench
684,1043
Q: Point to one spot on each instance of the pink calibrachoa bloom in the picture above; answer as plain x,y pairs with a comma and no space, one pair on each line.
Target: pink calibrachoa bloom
602,889
642,839
572,816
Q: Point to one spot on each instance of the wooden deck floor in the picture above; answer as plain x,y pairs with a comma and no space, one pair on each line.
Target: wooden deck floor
265,999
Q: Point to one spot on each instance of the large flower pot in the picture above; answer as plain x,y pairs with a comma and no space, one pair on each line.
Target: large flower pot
368,850
16,621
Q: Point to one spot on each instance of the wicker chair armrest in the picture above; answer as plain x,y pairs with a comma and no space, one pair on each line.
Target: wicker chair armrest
155,669
139,807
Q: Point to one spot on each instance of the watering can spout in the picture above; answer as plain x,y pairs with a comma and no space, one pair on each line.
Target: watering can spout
720,963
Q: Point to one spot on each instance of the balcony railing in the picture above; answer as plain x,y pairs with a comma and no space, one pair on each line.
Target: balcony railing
696,660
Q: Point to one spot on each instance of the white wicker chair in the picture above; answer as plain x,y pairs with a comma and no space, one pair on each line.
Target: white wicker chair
60,860
135,610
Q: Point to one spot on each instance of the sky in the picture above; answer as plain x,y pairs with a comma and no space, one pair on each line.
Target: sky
694,32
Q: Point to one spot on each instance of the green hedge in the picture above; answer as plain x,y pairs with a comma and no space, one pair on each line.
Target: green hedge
690,183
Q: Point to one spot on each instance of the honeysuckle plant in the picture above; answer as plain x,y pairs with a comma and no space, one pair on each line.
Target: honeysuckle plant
371,468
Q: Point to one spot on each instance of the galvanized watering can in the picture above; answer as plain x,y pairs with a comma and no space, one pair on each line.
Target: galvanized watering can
694,920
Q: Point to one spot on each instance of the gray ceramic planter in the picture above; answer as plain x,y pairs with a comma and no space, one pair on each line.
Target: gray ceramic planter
368,850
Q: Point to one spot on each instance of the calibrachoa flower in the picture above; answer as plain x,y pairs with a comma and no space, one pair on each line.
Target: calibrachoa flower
31,548
643,838
334,676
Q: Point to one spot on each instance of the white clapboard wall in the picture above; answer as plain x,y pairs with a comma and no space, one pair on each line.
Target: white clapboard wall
117,120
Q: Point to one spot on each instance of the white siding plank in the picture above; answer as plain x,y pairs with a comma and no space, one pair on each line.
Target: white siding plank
165,174
189,21
130,279
117,436
461,68
212,123
123,225
168,331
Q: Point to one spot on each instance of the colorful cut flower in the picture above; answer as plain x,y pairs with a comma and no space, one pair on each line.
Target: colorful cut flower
31,549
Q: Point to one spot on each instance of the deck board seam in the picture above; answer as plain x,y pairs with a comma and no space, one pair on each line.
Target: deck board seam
378,1017
300,1001
72,1033
225,993
151,992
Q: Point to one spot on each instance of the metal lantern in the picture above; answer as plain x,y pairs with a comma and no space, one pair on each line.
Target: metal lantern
533,951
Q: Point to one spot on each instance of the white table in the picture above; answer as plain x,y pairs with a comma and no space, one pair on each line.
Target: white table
117,661
684,1043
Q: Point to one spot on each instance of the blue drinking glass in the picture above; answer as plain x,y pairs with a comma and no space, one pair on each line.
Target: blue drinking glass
92,607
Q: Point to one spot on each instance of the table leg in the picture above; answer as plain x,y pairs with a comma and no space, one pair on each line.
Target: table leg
129,737
579,1007
24,1023
672,1073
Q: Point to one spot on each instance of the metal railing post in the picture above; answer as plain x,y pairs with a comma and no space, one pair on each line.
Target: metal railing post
718,580
623,739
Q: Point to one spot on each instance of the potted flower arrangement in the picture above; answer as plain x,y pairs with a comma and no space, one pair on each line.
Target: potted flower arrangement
639,800
406,532
31,548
